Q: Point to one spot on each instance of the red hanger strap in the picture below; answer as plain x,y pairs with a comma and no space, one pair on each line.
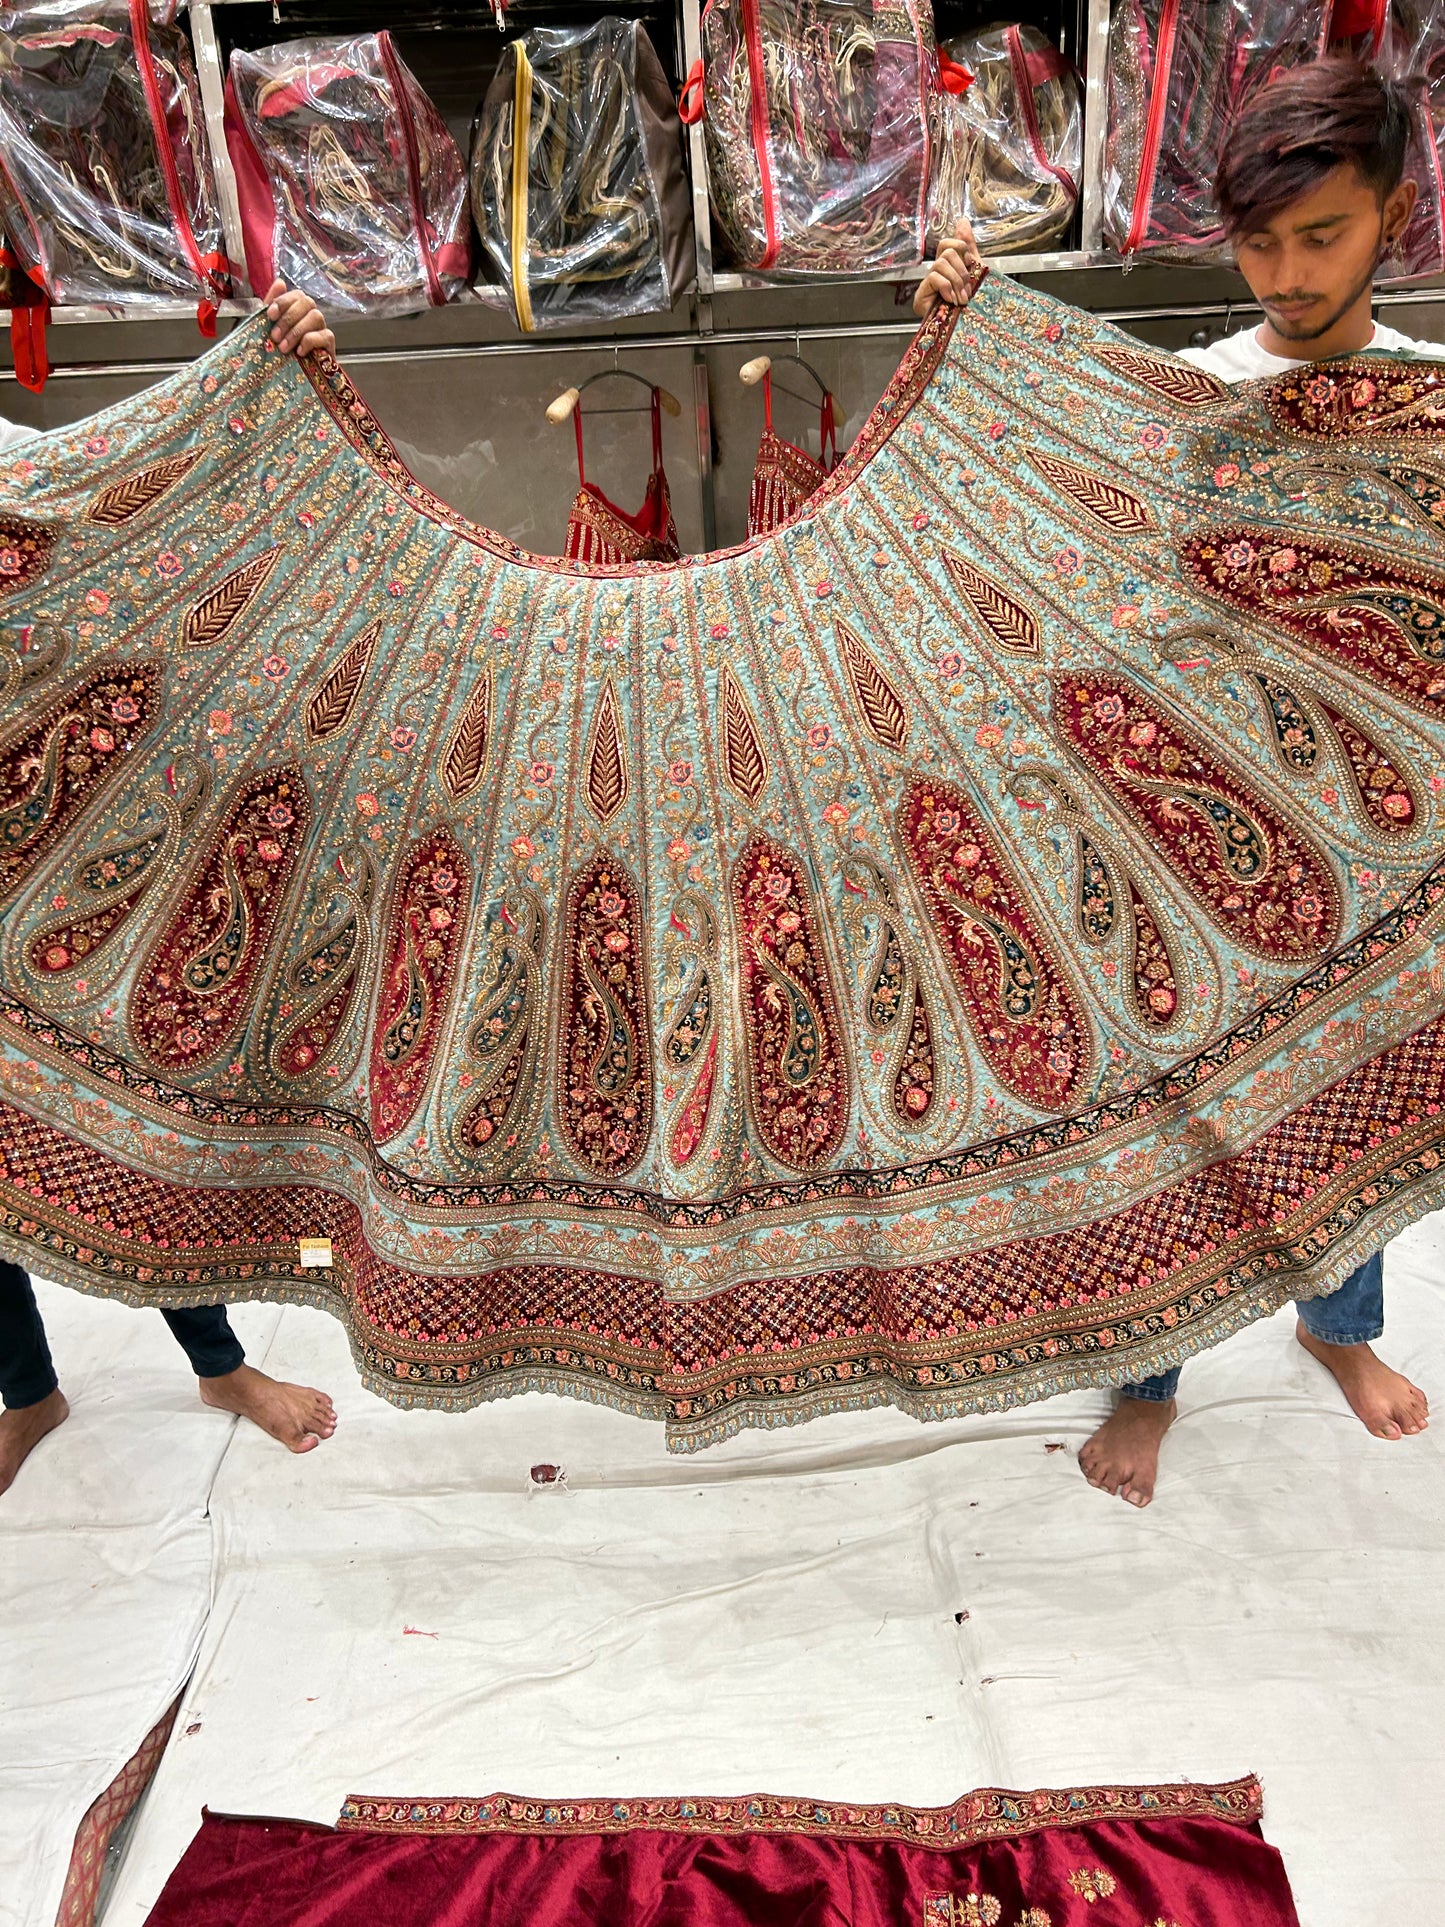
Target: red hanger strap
827,432
656,429
689,101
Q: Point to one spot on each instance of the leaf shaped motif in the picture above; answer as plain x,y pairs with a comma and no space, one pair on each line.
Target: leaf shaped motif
1167,376
744,767
329,710
1112,507
465,756
884,716
1012,626
210,618
133,493
606,783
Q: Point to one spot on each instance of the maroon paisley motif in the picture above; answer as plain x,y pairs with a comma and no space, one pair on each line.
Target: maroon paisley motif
604,1073
1019,1005
1383,790
913,1084
25,551
691,1121
1266,885
1156,988
1358,397
424,935
195,986
799,1077
52,767
1384,621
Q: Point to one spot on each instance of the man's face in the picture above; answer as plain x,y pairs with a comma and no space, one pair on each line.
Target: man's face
1310,264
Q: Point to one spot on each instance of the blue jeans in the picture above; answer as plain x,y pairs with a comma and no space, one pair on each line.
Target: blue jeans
1353,1315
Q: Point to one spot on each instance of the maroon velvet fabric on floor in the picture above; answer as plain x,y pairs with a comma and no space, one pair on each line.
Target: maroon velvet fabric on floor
1160,1857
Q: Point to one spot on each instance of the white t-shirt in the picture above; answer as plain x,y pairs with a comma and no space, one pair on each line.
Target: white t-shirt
12,433
1240,357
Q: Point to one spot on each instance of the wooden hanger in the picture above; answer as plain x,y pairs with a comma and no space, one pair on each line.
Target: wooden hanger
752,372
570,398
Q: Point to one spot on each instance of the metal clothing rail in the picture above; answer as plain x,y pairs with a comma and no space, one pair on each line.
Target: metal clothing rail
720,338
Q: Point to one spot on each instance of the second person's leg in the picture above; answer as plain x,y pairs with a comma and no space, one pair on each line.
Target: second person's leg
1338,1330
31,1395
297,1415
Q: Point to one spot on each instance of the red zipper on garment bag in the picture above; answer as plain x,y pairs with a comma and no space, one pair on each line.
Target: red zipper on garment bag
1154,124
413,166
1023,71
762,128
209,269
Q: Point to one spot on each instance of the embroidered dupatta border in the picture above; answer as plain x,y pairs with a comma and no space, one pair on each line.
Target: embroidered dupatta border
990,1813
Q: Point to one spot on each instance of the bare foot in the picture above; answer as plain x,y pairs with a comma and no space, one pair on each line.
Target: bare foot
1384,1401
23,1429
295,1414
1123,1455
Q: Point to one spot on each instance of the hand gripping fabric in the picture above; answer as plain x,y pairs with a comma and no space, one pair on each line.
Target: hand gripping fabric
980,939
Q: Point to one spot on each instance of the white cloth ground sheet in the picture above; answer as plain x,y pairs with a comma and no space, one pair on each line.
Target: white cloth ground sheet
105,1577
398,1613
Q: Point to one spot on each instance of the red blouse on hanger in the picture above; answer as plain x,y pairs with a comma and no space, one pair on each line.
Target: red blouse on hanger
786,475
598,532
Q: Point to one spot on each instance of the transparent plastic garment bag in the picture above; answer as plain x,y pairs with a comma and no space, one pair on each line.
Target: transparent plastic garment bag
351,186
816,118
106,184
576,177
1008,135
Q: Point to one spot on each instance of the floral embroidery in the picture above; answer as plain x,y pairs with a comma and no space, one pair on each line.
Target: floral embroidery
1150,969
1092,1883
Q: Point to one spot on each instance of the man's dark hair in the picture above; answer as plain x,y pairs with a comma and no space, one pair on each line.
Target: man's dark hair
1300,127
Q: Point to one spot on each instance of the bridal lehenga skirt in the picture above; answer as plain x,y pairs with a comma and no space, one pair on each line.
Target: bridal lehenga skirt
978,940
